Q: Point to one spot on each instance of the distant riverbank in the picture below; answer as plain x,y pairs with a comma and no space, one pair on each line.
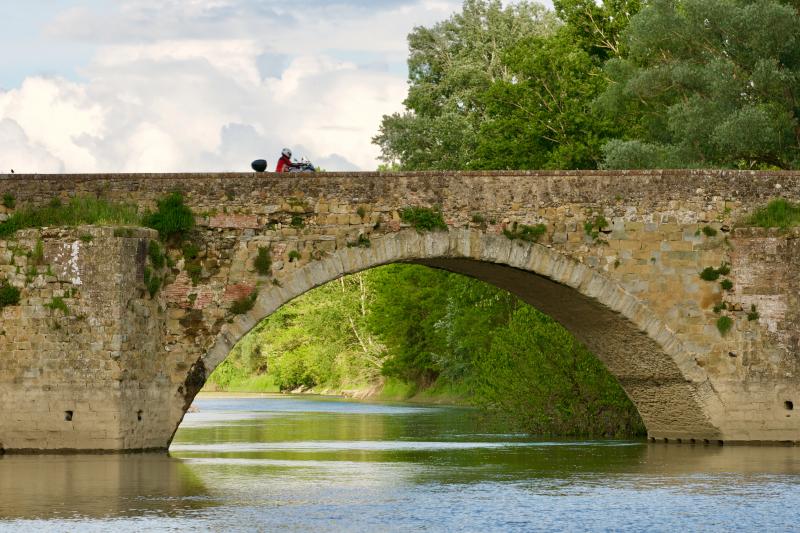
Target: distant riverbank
386,390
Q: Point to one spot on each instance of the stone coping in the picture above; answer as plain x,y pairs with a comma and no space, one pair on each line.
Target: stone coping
445,173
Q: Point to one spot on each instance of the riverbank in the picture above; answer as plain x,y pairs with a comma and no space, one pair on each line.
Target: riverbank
387,390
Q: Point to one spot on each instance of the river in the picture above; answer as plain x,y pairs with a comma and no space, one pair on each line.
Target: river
321,464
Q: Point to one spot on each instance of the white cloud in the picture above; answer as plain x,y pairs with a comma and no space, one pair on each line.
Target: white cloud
18,153
178,86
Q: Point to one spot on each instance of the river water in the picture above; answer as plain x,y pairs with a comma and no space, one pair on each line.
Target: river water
319,464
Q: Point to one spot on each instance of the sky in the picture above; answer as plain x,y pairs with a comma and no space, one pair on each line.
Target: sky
200,85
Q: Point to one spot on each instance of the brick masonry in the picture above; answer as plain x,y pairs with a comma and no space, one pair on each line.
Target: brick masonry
127,365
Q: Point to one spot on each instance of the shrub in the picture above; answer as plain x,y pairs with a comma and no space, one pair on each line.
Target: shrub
58,303
423,218
361,212
477,218
194,271
709,274
263,261
753,314
156,254
298,222
362,242
592,227
778,213
173,219
294,255
724,324
86,238
726,284
9,201
151,281
8,295
38,253
708,231
525,233
153,284
244,304
190,251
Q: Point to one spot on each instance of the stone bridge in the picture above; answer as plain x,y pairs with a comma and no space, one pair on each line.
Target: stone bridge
90,360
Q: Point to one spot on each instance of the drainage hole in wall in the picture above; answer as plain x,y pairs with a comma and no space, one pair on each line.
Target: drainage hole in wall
68,415
789,405
139,415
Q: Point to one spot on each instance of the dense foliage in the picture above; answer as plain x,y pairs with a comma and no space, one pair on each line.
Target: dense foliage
451,66
708,83
616,84
318,340
431,329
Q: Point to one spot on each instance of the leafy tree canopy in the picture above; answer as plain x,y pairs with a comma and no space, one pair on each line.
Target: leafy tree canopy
542,117
707,83
450,66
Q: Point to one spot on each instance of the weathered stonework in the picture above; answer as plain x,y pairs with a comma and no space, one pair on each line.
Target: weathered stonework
127,365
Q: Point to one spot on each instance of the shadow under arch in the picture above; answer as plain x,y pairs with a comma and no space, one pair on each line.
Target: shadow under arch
671,392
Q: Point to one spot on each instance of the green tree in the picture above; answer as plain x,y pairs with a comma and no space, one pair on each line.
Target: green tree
597,27
707,83
539,378
543,117
451,65
408,303
318,340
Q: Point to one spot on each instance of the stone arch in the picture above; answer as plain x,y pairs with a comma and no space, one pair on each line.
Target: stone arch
672,393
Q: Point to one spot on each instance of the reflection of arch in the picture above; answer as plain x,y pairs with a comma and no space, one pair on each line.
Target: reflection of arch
669,389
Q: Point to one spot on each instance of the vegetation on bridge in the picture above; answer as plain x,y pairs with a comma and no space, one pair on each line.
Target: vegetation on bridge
778,213
77,211
9,295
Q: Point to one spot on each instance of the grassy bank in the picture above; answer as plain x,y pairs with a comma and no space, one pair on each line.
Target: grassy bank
250,384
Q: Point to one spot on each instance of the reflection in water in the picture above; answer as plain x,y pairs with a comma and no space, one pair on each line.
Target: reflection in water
314,463
67,486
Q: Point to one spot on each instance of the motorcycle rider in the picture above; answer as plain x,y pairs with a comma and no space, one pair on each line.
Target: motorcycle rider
285,162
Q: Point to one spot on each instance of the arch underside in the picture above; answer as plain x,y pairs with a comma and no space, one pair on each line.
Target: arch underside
669,392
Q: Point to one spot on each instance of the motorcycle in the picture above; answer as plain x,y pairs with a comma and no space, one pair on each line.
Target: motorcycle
304,165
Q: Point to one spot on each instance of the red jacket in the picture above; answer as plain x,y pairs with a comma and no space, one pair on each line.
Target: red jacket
283,164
